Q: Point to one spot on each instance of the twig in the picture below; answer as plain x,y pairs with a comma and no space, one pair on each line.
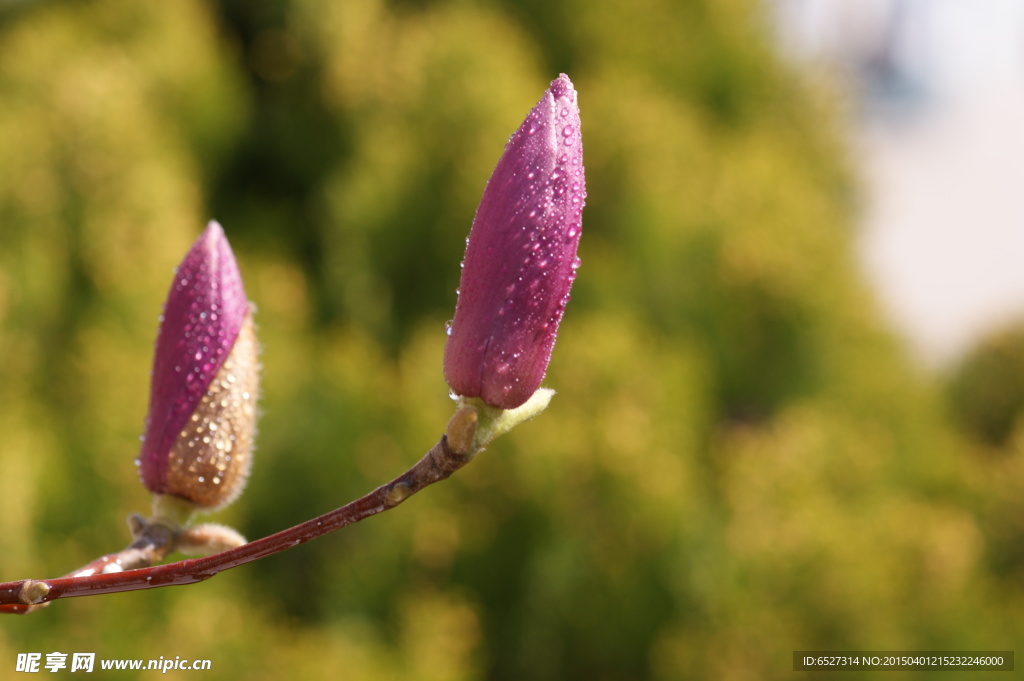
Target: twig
26,595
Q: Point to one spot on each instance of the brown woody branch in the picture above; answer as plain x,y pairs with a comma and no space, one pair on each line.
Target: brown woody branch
129,570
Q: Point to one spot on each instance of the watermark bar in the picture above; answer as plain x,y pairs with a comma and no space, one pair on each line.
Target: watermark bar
903,660
33,663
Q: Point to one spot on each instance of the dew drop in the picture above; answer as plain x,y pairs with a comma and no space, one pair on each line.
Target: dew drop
448,328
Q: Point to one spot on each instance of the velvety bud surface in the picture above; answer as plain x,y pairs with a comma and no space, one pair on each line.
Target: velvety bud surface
520,257
203,381
210,459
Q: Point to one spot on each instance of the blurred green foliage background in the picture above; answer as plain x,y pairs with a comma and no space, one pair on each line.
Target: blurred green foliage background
739,463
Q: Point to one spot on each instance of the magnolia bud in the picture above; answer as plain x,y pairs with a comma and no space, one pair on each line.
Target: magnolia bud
202,405
520,258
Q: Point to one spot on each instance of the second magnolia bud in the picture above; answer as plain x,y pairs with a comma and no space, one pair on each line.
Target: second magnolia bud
202,410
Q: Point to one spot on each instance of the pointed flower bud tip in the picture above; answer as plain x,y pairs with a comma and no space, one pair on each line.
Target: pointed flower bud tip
520,258
205,376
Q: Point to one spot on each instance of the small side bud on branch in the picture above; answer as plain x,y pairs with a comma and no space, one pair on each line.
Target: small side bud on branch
461,431
207,538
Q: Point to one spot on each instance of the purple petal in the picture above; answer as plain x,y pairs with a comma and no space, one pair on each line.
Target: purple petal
520,257
201,320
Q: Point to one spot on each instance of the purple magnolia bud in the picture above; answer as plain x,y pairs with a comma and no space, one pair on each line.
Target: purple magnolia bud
201,419
520,258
